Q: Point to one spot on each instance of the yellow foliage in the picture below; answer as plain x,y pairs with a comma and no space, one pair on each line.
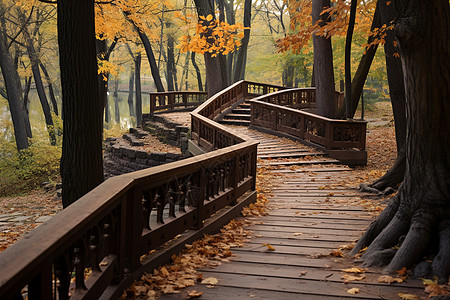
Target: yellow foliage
209,35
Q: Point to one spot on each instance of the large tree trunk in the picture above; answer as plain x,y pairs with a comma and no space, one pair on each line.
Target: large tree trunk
323,65
171,68
420,212
394,176
82,158
13,89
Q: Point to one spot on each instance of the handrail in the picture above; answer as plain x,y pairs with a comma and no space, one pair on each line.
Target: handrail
341,139
93,248
162,101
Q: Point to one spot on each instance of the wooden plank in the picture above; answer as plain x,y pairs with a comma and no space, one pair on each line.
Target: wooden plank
290,155
330,274
307,230
306,287
302,220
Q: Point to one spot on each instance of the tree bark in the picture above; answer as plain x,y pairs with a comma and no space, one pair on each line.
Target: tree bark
116,101
82,157
239,68
323,65
348,49
131,94
13,88
216,72
170,66
197,72
137,81
395,175
420,212
51,90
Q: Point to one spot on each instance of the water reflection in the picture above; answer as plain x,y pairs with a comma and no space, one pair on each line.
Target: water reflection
37,120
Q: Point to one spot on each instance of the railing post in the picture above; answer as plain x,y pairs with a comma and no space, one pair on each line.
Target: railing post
152,103
134,225
254,165
185,99
201,199
171,99
40,287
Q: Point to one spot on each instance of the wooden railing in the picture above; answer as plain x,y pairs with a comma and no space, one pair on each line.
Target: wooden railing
299,98
343,140
94,248
174,100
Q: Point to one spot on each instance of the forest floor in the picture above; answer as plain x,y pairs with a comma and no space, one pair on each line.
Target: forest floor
20,214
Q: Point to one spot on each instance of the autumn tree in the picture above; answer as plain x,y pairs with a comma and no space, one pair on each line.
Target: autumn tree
417,217
82,158
13,87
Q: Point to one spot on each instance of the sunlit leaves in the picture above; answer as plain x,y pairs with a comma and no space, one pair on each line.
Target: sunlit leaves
209,35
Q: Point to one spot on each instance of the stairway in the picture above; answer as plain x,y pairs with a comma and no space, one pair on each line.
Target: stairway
239,116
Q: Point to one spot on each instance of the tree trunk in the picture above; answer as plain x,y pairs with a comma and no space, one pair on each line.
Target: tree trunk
13,89
197,72
361,73
82,157
137,80
241,60
51,91
171,69
131,94
116,100
348,50
26,107
323,65
419,214
216,71
395,175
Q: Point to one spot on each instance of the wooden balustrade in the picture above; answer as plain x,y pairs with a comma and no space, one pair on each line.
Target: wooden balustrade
94,248
164,101
341,139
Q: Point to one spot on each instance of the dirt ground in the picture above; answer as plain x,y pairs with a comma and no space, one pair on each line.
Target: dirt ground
20,214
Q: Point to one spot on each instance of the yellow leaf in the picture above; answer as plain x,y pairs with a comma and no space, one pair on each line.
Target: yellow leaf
354,270
389,279
210,281
348,278
209,18
194,294
407,296
269,247
353,291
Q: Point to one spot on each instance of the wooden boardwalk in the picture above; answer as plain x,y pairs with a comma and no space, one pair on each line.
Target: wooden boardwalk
312,214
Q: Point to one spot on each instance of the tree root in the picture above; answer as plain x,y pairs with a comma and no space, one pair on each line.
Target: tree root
386,184
441,263
412,231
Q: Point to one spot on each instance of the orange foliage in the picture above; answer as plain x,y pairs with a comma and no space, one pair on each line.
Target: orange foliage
210,36
302,28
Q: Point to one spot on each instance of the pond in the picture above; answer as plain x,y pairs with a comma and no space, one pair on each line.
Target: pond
37,116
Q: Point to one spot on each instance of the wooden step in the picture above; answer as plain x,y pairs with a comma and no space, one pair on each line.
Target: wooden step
290,155
237,117
235,122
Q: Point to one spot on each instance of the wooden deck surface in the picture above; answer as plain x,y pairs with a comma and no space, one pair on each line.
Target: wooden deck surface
311,215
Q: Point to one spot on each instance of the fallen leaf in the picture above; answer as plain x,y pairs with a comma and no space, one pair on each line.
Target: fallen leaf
337,254
389,279
353,291
402,272
348,278
298,233
407,296
269,247
354,270
163,271
210,281
194,294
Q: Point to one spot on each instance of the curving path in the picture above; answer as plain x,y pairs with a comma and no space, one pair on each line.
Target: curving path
312,214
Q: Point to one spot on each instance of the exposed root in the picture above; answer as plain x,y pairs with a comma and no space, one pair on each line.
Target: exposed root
441,263
388,238
377,226
416,242
390,181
